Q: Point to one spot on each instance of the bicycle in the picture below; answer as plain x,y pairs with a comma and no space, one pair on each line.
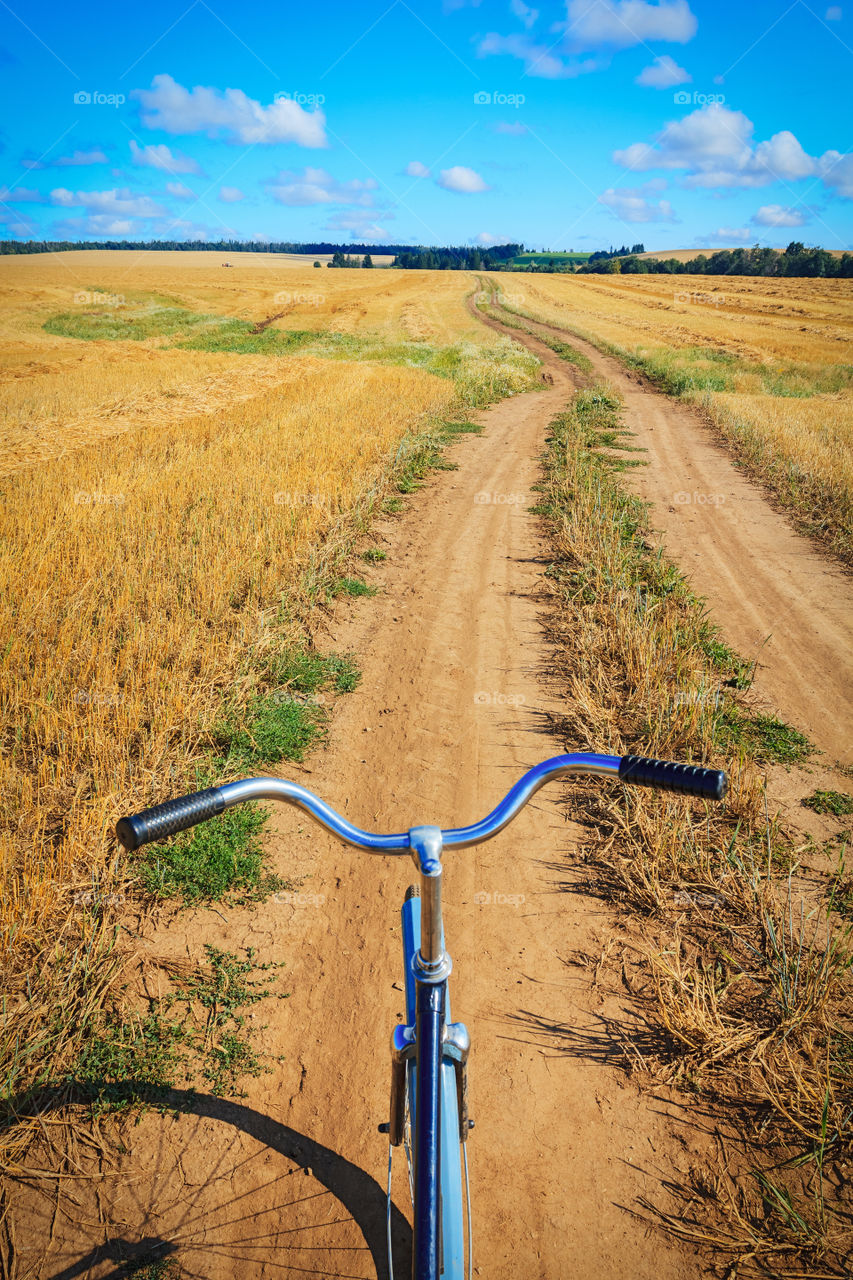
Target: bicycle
428,1113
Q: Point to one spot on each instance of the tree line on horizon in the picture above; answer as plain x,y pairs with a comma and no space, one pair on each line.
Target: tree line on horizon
795,260
459,258
215,246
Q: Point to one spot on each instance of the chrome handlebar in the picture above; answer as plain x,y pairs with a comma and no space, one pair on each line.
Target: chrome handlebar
424,843
459,837
176,815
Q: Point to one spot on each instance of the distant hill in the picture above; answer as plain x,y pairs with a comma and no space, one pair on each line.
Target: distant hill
686,255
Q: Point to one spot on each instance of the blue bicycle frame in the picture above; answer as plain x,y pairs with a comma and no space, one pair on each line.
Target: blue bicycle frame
429,1054
438,1103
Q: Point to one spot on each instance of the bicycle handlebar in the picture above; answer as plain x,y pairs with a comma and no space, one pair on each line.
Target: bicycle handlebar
177,815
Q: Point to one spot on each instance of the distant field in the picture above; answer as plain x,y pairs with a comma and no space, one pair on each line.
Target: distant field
768,359
686,255
522,259
57,388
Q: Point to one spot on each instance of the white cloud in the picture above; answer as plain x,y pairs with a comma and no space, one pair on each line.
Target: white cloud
461,179
724,237
359,225
774,215
524,13
623,23
837,173
414,169
630,204
178,189
711,138
539,60
316,186
714,146
783,157
161,157
117,203
663,73
99,224
833,13
167,105
95,156
486,239
514,128
230,195
20,195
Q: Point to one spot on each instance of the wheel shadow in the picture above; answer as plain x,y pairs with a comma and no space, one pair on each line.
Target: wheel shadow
359,1193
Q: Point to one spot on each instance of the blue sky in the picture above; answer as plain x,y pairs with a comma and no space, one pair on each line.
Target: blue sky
679,123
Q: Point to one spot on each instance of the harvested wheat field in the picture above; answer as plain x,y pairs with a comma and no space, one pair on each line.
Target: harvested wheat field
164,512
327,524
769,360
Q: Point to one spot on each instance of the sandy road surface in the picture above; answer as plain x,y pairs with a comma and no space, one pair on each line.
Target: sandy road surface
775,596
451,710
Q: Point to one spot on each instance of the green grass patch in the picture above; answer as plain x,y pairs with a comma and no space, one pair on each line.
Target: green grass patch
197,1032
157,1269
282,722
481,374
305,671
763,737
270,727
567,352
216,861
351,587
240,337
373,555
223,859
117,325
462,428
143,1269
835,803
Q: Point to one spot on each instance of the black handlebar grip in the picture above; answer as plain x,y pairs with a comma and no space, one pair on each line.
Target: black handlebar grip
165,819
689,779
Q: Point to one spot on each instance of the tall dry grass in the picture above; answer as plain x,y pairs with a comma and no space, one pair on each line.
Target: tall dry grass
135,580
744,970
168,521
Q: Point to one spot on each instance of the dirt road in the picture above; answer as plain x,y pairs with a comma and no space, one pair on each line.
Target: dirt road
452,708
776,598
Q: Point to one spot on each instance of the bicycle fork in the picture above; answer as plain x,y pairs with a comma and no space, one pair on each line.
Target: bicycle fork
455,1047
429,1048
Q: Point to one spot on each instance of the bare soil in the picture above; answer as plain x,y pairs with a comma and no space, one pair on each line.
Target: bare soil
778,600
453,707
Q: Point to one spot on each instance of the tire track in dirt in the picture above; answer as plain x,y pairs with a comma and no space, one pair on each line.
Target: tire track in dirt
776,598
453,706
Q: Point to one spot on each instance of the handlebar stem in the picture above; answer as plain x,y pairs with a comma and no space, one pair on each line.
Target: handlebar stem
431,963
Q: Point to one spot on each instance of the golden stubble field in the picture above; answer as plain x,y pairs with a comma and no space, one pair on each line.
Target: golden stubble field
58,392
163,496
770,361
160,506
